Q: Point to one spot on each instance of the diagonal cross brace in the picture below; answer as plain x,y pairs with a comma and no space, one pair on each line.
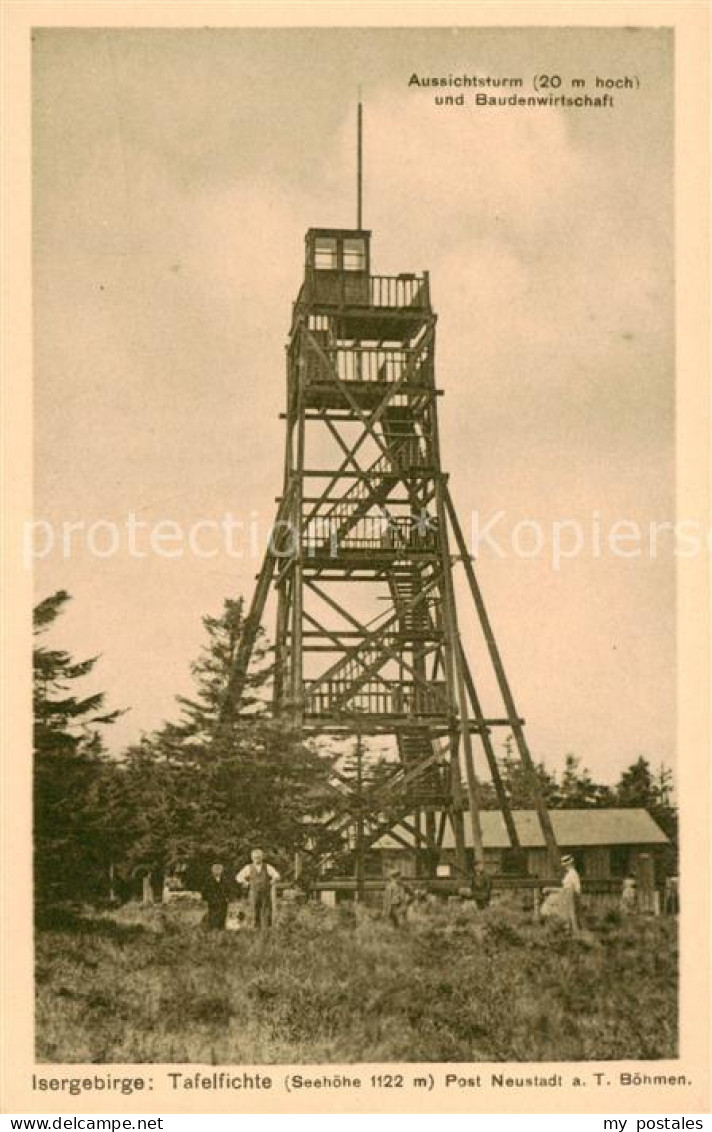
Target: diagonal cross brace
390,653
369,422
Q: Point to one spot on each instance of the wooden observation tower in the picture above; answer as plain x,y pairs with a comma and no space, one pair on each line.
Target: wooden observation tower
363,552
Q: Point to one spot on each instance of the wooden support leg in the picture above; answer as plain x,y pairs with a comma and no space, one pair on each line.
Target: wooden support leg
477,712
517,730
457,822
418,842
432,839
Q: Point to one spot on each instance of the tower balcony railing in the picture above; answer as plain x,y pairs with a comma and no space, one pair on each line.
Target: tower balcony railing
400,291
377,697
337,535
365,363
356,289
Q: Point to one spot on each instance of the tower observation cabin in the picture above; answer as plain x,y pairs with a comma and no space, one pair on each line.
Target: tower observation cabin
338,279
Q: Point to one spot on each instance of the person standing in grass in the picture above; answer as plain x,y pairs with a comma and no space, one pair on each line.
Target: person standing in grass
571,896
629,897
481,886
217,897
671,903
260,879
396,898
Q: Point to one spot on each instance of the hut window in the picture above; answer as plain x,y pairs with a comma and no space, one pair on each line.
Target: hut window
514,862
620,860
354,255
325,253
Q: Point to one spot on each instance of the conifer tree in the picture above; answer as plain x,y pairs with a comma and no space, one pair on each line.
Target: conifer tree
577,790
517,783
640,787
69,839
224,777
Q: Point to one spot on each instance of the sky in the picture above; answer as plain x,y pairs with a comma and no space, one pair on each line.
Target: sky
175,173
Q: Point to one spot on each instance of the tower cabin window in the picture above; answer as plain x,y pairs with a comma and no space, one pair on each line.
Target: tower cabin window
354,255
334,253
326,253
337,263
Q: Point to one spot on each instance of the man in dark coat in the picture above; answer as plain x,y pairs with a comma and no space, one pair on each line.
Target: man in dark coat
216,895
481,886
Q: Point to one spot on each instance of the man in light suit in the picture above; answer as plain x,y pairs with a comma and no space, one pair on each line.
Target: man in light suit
260,878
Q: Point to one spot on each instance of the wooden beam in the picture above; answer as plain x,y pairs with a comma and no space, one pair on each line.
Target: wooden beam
547,828
501,793
452,659
252,623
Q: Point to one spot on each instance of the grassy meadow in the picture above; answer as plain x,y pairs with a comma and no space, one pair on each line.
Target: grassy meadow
333,986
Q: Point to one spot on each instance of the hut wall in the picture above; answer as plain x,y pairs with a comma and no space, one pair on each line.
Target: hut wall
596,863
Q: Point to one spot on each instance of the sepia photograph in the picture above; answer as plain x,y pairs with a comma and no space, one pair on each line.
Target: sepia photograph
355,551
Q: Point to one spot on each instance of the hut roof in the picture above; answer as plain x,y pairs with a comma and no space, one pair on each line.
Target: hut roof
572,829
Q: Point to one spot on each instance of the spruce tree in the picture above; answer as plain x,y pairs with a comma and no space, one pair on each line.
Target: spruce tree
69,837
517,782
577,790
640,787
224,778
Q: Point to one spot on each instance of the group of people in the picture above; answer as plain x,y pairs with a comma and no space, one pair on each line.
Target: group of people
260,880
666,901
399,896
564,902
